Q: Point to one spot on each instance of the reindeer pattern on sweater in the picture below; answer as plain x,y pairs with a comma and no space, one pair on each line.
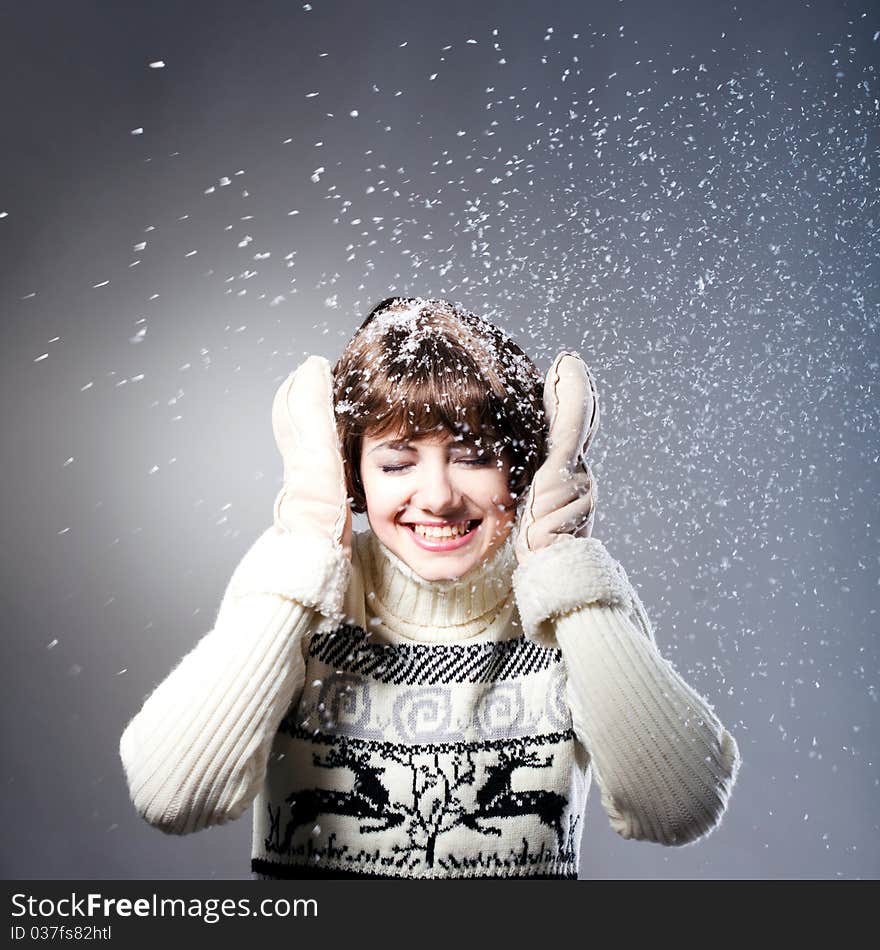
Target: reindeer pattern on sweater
440,760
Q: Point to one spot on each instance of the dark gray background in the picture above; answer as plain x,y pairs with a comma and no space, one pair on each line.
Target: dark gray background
686,192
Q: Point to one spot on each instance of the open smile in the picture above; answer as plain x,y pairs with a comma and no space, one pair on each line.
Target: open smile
443,536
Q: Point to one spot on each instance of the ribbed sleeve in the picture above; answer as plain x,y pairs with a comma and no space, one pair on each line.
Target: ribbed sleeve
664,764
196,753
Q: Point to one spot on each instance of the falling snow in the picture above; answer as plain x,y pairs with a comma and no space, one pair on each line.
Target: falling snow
700,224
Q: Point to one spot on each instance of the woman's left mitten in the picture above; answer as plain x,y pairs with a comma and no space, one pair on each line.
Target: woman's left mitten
561,566
562,496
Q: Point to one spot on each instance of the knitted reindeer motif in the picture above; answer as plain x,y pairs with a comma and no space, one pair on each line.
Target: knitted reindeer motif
368,798
497,799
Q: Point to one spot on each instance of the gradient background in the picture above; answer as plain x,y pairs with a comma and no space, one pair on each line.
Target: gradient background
686,192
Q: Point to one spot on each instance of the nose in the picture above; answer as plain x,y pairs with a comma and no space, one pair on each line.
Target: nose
437,492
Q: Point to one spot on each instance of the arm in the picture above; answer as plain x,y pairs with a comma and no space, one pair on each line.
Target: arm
664,763
196,754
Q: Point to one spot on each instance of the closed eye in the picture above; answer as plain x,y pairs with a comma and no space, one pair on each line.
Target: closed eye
480,462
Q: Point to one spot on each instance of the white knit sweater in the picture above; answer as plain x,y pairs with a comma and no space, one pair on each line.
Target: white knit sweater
443,729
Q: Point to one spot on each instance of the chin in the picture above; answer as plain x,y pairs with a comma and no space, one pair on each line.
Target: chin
433,567
436,573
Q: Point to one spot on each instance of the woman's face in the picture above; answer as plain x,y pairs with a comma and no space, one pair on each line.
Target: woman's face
441,504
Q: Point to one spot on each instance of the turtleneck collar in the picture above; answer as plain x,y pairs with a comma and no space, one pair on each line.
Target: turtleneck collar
478,602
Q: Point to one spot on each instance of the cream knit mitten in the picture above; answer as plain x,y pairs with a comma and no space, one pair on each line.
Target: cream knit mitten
562,496
560,566
306,554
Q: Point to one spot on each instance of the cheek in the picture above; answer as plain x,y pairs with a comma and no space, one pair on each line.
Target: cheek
382,497
495,491
372,495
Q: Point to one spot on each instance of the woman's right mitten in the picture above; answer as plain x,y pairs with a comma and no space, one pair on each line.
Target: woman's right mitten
312,502
306,555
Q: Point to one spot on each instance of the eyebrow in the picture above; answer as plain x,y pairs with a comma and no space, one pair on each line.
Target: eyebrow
401,445
395,444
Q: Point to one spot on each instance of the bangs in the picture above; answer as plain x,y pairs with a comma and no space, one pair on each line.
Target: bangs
419,404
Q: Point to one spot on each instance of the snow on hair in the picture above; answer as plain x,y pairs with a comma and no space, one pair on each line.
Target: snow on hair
417,366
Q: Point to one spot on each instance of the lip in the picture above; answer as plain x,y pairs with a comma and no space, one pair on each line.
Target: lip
441,544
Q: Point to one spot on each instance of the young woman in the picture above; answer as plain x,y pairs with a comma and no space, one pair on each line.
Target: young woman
430,698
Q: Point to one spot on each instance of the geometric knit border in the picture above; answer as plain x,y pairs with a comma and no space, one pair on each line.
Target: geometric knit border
346,649
272,870
288,728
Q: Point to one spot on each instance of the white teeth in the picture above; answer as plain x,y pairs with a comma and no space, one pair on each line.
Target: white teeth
442,531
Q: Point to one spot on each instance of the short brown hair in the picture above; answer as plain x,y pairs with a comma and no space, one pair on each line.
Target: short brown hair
415,366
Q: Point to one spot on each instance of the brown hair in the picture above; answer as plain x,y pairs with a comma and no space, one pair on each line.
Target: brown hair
415,366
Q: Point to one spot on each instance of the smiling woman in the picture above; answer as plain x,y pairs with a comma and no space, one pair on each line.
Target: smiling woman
427,698
442,504
442,427
419,368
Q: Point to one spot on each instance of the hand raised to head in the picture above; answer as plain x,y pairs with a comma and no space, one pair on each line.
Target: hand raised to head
312,502
562,496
